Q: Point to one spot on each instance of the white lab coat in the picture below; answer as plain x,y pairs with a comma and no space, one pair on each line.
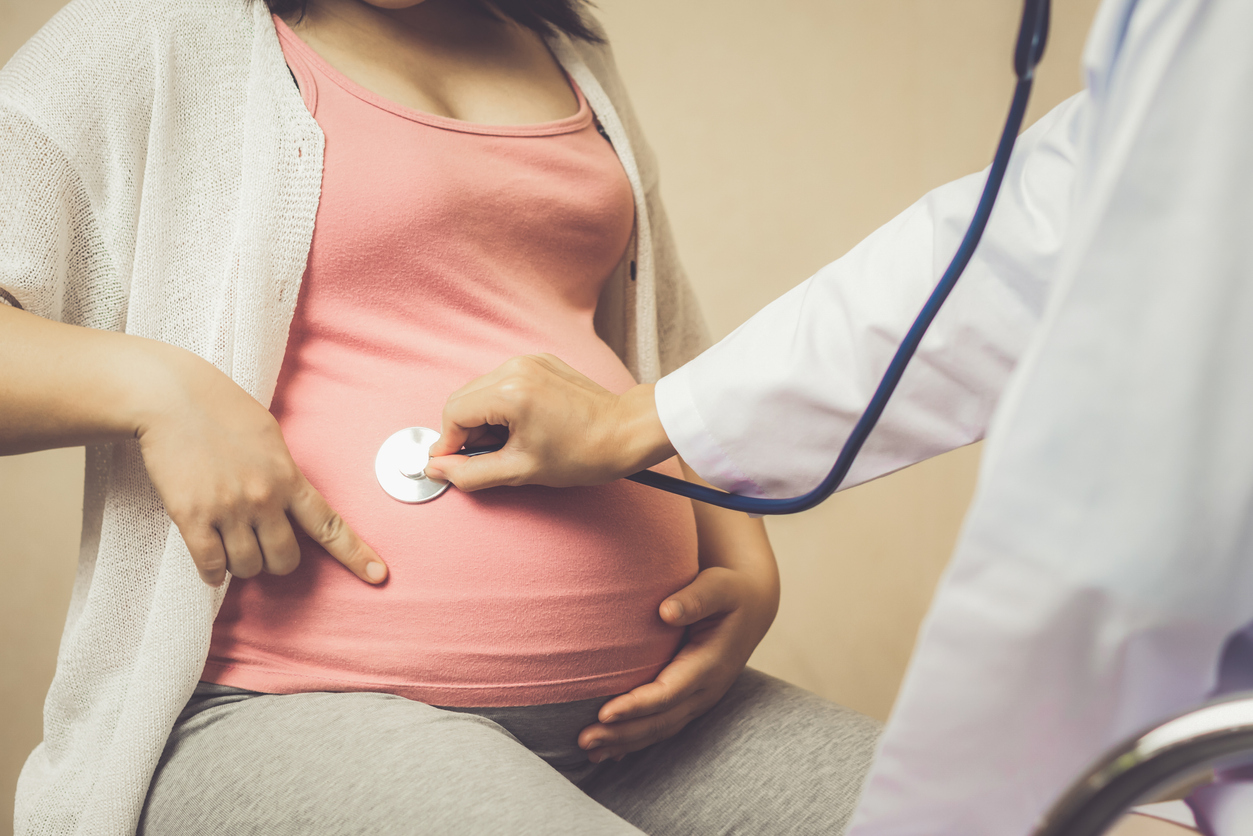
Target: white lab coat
1103,338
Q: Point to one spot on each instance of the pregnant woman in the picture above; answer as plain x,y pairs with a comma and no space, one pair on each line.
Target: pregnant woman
345,209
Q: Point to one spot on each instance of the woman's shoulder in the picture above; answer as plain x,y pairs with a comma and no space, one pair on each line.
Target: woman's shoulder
110,53
598,58
97,29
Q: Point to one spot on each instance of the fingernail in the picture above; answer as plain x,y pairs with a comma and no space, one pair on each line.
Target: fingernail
596,757
592,744
375,572
675,609
610,718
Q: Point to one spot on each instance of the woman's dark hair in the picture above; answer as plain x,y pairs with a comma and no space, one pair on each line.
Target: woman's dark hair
543,16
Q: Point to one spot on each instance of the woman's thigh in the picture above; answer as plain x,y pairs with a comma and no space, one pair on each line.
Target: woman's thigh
356,763
769,758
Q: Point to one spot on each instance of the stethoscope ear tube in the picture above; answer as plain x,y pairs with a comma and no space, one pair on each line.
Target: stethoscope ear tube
1032,37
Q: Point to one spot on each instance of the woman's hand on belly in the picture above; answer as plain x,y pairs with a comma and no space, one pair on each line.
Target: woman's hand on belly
218,460
728,609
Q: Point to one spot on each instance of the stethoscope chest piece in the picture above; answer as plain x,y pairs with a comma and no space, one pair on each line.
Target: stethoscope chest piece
400,463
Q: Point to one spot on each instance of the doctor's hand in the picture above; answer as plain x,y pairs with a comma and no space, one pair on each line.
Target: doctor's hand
218,460
564,430
727,609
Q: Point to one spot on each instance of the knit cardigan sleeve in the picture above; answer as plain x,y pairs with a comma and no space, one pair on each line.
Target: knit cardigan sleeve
74,118
51,259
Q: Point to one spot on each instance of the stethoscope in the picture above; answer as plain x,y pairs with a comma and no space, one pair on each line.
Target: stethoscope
402,459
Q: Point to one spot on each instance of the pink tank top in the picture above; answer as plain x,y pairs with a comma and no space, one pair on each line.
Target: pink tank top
441,249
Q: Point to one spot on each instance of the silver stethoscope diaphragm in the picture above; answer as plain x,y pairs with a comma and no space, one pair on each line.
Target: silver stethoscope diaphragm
401,462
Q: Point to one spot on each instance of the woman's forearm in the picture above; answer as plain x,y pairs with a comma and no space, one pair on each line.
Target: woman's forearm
726,609
62,385
733,540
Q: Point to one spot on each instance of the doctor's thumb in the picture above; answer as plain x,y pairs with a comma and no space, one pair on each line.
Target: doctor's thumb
472,473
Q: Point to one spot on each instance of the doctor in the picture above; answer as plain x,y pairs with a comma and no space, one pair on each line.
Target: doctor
1102,338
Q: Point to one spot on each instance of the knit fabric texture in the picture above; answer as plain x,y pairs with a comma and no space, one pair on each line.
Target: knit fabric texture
160,175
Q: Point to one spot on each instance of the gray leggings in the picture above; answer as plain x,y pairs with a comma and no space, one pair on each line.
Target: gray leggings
770,758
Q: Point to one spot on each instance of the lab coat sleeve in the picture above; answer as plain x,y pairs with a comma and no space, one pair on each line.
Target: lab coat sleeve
1105,564
1225,807
765,411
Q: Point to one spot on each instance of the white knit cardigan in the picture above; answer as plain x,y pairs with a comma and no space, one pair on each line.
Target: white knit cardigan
160,175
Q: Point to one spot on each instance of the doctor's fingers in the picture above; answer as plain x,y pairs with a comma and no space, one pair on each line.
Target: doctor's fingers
512,395
543,368
464,414
468,417
320,521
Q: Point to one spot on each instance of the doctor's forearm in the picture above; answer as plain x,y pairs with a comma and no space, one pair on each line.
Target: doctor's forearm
639,435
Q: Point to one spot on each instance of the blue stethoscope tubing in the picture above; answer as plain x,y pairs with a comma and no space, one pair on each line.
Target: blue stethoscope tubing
1032,36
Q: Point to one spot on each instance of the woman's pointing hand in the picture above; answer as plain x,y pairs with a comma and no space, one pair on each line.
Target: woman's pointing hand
217,458
214,454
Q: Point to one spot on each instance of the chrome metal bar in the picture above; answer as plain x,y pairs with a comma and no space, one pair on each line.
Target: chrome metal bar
1218,735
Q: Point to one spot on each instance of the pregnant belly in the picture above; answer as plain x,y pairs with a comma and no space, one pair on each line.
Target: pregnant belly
512,596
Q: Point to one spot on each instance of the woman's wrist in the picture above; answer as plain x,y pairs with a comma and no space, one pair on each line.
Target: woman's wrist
150,382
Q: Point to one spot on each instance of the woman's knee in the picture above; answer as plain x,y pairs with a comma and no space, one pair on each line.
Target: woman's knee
768,758
347,764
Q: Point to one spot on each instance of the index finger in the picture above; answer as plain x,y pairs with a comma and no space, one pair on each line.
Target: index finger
499,398
320,521
464,414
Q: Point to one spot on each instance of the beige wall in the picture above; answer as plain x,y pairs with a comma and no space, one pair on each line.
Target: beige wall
786,132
